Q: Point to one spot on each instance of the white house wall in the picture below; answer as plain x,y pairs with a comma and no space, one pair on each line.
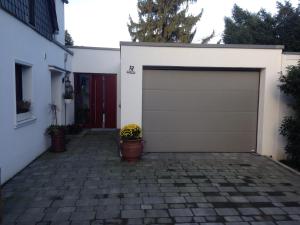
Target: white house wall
268,60
18,42
98,60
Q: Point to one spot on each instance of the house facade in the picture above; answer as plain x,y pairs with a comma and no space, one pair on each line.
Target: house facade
34,62
186,97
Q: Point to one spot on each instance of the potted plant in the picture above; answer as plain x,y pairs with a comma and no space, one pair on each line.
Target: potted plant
68,97
131,142
23,110
57,134
23,106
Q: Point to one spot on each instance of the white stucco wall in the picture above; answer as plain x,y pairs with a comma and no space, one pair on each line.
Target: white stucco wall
268,60
98,60
18,42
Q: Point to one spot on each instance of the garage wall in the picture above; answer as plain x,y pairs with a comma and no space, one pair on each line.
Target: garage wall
98,60
264,57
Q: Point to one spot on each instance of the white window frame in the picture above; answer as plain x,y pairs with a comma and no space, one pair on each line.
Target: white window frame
24,119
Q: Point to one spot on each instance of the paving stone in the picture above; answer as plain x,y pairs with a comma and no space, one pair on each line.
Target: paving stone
209,223
64,203
174,199
295,217
249,211
108,213
263,223
134,222
82,222
82,216
183,219
131,201
288,222
195,199
291,210
177,206
59,216
165,220
204,212
199,219
66,209
30,217
216,199
132,214
237,223
272,211
60,223
153,200
157,213
180,212
233,219
160,206
226,212
87,202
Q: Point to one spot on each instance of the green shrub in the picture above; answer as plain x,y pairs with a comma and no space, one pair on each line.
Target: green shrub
290,128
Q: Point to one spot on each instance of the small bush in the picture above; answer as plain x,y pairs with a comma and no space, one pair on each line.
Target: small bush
23,106
290,128
131,132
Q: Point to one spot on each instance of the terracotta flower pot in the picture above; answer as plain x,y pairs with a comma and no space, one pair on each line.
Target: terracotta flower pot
58,141
132,149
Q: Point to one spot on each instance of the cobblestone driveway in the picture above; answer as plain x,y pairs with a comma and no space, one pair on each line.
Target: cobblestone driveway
89,185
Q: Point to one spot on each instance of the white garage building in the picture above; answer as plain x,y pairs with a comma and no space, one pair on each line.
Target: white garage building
205,98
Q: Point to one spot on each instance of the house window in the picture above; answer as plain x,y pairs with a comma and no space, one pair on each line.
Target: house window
32,12
19,89
23,88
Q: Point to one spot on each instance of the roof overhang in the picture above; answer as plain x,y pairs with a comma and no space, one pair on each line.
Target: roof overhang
58,69
184,45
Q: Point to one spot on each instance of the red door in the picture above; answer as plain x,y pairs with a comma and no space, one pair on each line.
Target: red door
99,95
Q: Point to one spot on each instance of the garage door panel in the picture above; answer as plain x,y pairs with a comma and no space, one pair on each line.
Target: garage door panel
199,141
195,121
200,111
200,100
197,80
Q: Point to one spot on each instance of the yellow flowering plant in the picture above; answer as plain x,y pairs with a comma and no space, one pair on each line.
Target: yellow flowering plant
131,132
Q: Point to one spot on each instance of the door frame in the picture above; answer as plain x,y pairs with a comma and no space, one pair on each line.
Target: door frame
92,92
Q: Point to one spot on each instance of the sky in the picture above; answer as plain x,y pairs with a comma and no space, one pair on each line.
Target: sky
103,23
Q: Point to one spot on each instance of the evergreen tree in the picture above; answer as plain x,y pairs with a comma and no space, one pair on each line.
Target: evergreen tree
249,28
68,39
164,21
263,28
288,26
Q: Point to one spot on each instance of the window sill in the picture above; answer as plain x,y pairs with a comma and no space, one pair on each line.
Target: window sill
24,119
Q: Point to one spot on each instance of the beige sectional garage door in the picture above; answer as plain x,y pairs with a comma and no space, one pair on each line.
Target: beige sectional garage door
200,111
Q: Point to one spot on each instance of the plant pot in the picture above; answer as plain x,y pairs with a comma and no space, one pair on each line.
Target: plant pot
132,150
68,101
58,141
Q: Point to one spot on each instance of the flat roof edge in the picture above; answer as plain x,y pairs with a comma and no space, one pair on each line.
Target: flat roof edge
291,53
184,45
94,48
